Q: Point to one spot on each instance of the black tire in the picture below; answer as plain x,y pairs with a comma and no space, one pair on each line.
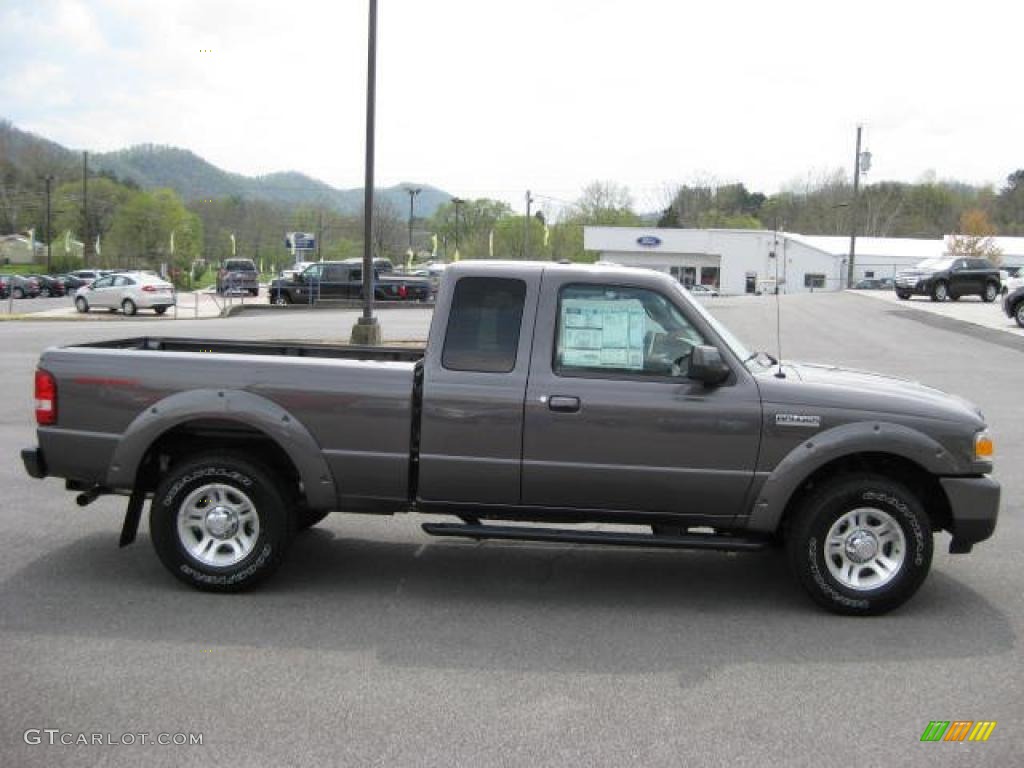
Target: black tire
307,518
954,297
991,292
159,310
940,291
1018,313
82,305
902,295
128,307
830,504
250,481
281,298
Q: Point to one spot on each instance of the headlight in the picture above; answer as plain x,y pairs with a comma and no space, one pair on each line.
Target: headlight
984,448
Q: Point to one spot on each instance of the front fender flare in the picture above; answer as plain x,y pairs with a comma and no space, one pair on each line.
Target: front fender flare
845,440
233,405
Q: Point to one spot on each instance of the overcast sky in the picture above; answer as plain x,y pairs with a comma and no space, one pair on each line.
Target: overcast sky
492,98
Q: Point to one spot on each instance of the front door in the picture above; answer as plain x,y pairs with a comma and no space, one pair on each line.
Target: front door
103,293
612,422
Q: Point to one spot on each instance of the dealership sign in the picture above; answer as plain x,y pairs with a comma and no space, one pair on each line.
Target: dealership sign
649,241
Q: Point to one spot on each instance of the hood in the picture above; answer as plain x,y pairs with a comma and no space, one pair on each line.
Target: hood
833,387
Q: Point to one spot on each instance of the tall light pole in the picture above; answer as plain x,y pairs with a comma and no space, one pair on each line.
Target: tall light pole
367,330
413,192
457,201
526,232
861,164
49,234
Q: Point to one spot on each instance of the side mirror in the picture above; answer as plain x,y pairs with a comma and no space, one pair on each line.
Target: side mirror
706,365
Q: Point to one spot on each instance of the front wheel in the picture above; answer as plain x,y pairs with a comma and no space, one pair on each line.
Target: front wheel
81,304
940,291
19,293
281,299
219,522
860,544
1018,313
902,295
128,307
991,291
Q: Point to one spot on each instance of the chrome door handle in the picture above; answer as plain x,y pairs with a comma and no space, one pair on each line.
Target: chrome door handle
563,404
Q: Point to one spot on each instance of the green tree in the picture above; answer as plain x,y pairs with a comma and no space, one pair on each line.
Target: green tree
142,228
476,220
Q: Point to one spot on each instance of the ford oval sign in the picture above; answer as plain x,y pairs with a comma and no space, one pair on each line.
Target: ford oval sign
648,241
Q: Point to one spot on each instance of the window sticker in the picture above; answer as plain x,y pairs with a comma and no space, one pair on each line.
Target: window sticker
603,334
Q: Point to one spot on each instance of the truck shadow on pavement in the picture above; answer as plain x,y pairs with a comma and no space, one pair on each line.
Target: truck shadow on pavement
519,607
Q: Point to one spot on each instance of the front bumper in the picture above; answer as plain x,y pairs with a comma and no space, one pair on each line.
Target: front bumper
34,463
974,502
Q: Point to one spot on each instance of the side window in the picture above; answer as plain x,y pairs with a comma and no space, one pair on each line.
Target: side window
103,282
313,272
980,264
334,273
483,326
609,329
355,276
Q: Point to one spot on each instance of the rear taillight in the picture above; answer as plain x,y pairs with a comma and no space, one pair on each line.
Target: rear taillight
403,291
149,288
46,398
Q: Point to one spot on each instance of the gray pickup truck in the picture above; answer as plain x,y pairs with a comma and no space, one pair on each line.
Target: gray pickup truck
548,398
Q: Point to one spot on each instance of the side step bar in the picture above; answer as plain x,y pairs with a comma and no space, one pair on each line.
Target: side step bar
615,538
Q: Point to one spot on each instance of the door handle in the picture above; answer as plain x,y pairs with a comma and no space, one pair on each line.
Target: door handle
563,404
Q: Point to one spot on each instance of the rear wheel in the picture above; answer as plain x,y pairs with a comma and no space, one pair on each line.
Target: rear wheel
991,291
19,293
281,298
940,291
159,310
1018,313
81,304
219,522
860,544
903,295
128,307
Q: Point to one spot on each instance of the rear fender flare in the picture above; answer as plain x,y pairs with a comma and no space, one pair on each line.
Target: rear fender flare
233,405
845,440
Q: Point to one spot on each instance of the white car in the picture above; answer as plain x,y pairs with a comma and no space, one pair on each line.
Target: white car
127,291
701,290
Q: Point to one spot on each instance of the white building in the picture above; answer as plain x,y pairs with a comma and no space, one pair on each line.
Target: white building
746,261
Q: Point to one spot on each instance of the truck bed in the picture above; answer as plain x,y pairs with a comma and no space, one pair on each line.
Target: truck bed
283,348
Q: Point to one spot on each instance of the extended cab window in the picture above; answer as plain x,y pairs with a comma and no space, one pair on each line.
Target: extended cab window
483,326
609,329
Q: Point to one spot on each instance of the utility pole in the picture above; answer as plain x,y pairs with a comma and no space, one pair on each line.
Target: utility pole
49,234
526,231
319,235
457,201
367,330
413,192
853,213
86,241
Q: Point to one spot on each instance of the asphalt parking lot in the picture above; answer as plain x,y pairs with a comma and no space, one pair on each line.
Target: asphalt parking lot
376,644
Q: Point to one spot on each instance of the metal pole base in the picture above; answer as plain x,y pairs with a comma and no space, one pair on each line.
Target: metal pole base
366,332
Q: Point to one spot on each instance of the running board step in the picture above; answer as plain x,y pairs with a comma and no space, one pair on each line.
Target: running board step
614,538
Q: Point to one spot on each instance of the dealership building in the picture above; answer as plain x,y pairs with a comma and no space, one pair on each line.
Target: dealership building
750,260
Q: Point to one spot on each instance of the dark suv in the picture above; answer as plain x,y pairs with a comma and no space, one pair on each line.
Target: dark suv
344,280
1013,306
238,275
950,278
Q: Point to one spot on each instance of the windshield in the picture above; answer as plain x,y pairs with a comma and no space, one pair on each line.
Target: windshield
934,265
737,347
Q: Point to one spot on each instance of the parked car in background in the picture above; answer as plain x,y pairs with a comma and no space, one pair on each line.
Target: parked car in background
22,287
1013,305
49,286
950,278
887,283
86,275
344,280
71,283
127,291
702,290
1014,279
868,284
238,276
